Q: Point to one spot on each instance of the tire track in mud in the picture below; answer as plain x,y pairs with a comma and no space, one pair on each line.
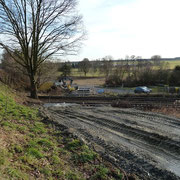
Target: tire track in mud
169,120
130,162
163,142
126,159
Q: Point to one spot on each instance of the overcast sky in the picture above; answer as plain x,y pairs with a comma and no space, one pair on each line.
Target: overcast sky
130,27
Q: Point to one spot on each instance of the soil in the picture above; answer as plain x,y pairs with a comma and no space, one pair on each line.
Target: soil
91,81
142,143
168,111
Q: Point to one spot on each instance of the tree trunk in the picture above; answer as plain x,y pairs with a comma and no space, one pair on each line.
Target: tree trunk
33,87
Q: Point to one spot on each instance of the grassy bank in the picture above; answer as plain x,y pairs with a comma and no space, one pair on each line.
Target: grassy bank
30,149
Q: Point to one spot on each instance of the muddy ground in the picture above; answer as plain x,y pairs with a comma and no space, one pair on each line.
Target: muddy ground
143,143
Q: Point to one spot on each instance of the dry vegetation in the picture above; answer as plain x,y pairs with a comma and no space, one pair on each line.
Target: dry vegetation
168,111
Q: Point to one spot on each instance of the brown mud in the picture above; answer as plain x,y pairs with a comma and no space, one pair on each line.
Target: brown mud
143,143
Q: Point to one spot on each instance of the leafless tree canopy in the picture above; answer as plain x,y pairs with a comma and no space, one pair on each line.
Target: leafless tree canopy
38,29
85,65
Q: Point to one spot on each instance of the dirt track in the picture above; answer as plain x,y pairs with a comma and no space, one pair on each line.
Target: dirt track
146,144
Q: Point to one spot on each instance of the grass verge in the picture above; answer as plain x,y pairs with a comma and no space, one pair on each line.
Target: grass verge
30,149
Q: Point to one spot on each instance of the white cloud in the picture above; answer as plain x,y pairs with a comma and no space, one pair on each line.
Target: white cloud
126,27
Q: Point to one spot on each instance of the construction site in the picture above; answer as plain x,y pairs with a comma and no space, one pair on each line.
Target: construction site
125,130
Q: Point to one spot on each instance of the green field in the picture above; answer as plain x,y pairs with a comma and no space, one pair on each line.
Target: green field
76,72
173,64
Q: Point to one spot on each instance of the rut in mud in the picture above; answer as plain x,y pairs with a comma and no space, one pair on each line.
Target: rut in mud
146,144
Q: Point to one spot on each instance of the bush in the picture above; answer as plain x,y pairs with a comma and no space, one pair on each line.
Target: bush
144,78
113,81
174,79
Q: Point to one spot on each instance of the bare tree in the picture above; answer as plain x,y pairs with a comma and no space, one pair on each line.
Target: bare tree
156,60
107,65
134,69
14,72
84,66
95,66
37,29
156,57
46,72
121,70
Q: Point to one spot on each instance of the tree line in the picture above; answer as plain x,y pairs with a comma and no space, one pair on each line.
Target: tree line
129,72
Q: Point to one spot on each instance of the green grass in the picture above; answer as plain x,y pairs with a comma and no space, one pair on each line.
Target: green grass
101,173
35,152
30,148
9,109
85,155
74,145
172,64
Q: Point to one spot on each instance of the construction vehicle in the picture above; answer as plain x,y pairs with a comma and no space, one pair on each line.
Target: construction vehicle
66,83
